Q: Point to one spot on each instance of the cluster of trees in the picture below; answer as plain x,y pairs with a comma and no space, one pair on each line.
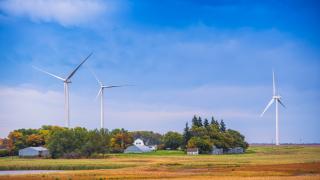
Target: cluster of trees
80,142
205,135
69,142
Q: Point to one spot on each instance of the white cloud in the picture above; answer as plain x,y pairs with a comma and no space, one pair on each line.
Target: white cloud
26,107
65,12
239,106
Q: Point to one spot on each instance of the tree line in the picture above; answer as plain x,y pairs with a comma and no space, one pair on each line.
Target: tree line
81,142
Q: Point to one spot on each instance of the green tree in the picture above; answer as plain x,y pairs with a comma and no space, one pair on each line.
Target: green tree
120,140
186,135
195,121
98,142
200,122
67,142
222,126
172,140
206,122
203,144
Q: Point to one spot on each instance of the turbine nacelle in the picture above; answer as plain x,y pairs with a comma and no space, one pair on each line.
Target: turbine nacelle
276,97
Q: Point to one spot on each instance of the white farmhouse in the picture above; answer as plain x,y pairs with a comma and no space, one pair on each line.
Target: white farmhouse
138,142
138,147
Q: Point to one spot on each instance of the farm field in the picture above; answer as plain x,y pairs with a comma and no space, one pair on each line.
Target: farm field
260,162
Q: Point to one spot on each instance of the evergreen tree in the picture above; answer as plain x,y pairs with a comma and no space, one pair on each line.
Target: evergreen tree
195,121
222,126
212,121
186,135
200,122
206,122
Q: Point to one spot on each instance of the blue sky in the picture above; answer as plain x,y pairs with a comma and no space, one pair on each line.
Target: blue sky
185,58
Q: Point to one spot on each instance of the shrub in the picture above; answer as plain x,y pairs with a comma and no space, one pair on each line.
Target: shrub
4,152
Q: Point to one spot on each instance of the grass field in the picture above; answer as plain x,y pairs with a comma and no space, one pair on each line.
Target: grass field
260,162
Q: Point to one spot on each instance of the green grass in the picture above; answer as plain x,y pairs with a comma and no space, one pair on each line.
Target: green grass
154,153
268,162
17,163
255,155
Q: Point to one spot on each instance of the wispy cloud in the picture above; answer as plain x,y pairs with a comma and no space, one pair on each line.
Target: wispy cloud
64,12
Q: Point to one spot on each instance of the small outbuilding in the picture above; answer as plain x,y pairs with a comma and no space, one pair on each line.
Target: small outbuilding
34,152
216,150
192,151
236,150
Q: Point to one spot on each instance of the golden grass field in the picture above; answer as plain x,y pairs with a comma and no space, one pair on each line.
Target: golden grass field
260,162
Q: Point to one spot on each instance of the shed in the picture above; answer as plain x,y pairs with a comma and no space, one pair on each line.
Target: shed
192,151
34,152
236,150
137,149
216,150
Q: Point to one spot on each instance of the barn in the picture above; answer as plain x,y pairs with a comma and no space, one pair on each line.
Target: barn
138,147
34,152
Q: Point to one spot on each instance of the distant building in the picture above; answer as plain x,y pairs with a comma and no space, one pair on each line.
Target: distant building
192,151
236,150
34,152
216,150
138,142
138,147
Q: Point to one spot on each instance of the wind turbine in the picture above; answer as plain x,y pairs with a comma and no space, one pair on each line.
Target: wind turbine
277,99
66,82
101,94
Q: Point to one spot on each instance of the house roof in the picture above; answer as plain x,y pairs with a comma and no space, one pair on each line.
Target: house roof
135,148
192,149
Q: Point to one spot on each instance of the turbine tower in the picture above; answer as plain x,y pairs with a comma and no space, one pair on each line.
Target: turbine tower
66,81
101,94
277,99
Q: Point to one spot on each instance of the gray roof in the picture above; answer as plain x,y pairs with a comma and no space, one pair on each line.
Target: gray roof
192,149
37,148
134,148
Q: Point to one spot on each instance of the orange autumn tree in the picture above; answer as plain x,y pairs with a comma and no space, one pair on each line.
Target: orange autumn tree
120,140
15,142
35,140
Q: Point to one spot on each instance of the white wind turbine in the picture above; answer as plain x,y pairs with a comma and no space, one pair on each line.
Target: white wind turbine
275,98
101,94
66,82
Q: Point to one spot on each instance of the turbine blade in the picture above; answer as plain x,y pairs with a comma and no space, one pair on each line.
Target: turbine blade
281,103
116,86
267,107
95,76
36,68
75,70
98,93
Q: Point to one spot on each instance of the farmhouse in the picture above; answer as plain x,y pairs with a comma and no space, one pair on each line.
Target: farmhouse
192,151
138,147
34,152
